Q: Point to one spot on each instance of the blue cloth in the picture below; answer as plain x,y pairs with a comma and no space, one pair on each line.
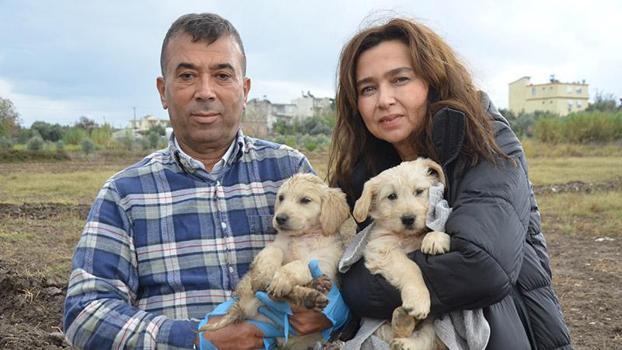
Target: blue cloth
166,238
336,311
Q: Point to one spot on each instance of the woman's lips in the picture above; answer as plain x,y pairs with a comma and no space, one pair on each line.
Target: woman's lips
391,120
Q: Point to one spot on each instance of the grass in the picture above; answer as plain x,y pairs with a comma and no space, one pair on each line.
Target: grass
597,214
75,187
543,171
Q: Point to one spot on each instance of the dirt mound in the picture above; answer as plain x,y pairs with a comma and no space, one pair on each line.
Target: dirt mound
41,211
30,311
580,186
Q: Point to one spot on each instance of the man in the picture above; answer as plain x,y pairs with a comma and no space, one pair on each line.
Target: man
168,238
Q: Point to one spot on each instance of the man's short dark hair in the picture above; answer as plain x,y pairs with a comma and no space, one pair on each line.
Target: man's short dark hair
207,27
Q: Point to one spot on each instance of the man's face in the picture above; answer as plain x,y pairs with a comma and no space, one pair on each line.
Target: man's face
204,90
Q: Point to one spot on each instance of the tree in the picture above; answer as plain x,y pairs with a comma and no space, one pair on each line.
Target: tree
49,132
603,103
86,124
9,118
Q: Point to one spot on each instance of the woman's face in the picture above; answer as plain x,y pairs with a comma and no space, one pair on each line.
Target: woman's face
391,98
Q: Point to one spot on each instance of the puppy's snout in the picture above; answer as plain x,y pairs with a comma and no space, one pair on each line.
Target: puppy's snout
281,219
408,220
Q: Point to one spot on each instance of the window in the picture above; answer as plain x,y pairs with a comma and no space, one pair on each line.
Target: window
579,91
533,91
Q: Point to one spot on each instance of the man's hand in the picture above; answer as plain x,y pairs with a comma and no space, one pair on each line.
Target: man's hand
237,336
305,321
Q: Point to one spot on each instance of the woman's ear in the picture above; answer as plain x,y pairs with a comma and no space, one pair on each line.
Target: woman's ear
334,211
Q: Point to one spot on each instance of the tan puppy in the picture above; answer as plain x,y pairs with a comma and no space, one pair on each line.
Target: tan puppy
397,200
308,215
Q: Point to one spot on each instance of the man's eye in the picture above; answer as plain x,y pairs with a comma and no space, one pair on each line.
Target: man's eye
186,76
223,76
392,196
305,200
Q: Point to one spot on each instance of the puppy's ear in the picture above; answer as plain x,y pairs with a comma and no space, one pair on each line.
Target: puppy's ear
435,170
334,211
363,204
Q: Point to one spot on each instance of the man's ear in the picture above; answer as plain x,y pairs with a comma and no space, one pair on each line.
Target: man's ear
161,85
247,88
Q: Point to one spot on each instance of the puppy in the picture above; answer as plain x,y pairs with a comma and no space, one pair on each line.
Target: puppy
308,215
397,200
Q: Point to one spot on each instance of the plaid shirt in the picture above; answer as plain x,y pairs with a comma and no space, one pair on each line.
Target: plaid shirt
166,241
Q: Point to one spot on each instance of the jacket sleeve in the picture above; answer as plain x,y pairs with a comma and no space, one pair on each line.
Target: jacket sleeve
487,227
99,307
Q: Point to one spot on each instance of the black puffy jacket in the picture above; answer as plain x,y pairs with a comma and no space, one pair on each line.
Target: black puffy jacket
498,259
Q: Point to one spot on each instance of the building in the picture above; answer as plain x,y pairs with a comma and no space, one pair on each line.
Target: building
145,123
554,97
261,114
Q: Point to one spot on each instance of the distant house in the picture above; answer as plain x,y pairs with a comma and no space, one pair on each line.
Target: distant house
145,123
554,96
261,114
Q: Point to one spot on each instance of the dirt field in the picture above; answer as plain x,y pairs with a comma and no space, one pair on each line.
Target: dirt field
36,241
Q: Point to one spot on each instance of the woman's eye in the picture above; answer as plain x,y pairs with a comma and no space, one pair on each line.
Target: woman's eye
392,196
367,90
305,200
401,80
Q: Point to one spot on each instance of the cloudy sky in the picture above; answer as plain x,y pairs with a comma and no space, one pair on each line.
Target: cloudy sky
63,59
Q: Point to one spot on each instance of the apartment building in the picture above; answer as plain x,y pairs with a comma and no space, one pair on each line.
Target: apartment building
554,97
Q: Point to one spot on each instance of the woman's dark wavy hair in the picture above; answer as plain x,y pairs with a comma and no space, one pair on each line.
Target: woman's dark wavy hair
449,85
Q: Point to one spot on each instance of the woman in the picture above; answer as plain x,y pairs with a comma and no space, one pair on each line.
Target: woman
403,94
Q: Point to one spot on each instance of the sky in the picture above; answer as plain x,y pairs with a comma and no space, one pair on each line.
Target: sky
60,60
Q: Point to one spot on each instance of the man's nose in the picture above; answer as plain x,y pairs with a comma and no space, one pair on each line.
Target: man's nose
205,89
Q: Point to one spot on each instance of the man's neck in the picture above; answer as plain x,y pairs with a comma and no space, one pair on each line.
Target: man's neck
209,156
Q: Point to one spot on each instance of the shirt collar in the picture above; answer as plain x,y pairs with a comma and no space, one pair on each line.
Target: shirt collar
190,164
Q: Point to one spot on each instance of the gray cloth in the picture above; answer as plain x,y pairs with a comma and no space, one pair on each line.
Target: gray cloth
459,330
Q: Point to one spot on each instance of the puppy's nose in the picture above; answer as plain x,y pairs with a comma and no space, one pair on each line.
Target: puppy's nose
281,219
408,220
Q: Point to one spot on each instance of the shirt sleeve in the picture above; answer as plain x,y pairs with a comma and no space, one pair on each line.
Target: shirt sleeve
99,307
487,227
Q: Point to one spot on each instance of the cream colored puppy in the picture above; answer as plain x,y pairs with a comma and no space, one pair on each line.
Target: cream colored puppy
308,215
397,200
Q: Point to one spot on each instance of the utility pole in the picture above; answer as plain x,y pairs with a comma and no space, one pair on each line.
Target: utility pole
134,126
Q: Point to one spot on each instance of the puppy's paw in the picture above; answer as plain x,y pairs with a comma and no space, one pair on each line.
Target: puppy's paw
280,286
400,344
260,281
402,324
435,243
322,284
417,306
315,300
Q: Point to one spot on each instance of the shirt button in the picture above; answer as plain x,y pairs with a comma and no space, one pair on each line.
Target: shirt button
223,225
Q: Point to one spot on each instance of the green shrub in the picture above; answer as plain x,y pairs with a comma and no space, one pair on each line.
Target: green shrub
35,143
88,146
5,143
74,136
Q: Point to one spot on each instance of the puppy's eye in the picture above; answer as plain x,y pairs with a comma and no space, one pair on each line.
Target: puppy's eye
305,200
392,196
281,197
418,191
